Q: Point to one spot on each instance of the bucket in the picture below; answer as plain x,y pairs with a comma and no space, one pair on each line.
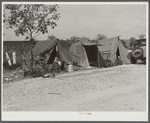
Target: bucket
70,68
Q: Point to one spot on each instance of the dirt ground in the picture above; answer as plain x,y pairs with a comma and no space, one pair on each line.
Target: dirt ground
121,88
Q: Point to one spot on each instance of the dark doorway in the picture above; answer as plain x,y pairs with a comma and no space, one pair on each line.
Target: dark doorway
92,52
117,53
52,56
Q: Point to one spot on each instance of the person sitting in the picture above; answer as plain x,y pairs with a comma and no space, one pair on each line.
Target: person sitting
59,64
75,63
55,66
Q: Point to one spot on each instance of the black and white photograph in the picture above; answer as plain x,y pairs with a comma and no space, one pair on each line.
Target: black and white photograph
74,61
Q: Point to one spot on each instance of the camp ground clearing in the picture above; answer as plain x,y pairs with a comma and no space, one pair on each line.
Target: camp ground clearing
115,88
121,88
85,75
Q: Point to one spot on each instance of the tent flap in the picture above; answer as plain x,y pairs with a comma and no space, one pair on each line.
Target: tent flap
64,55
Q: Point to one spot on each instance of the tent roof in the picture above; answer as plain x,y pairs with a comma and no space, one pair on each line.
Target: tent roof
86,52
43,46
104,48
86,42
127,42
106,44
108,41
112,45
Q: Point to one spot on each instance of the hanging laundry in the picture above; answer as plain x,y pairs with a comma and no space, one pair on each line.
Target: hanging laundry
56,48
14,57
8,59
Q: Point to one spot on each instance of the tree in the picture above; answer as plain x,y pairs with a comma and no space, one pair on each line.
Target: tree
75,39
66,43
51,37
141,36
101,36
30,20
85,38
133,42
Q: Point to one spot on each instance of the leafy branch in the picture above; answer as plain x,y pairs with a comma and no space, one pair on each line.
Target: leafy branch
30,20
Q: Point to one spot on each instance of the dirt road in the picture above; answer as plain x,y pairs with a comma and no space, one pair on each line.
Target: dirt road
121,88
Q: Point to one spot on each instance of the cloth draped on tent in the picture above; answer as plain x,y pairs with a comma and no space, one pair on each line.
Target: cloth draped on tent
64,55
86,53
112,45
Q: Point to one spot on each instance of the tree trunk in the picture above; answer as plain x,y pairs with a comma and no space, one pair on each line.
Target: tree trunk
31,63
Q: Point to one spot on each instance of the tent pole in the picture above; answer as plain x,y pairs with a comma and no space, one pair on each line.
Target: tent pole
23,59
98,55
75,55
81,56
57,52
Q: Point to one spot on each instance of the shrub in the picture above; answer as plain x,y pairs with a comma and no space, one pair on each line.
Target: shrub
6,66
55,67
38,71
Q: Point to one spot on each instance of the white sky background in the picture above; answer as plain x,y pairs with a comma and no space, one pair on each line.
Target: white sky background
127,20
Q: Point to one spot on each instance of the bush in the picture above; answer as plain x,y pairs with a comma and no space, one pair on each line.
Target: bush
38,71
6,66
55,67
41,67
17,46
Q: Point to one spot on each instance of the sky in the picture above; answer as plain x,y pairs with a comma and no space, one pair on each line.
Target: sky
88,20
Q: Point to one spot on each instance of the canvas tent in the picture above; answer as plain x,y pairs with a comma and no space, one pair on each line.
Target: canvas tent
126,43
86,54
115,48
50,49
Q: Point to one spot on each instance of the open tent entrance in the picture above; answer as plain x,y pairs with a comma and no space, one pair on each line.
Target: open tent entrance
86,54
116,49
117,53
52,56
92,52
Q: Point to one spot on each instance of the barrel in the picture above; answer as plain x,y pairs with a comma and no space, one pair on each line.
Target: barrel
70,68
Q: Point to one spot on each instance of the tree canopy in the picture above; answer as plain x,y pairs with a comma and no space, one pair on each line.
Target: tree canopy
75,38
51,37
30,19
133,42
101,36
141,36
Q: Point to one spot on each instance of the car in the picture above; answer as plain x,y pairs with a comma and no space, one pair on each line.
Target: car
138,52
